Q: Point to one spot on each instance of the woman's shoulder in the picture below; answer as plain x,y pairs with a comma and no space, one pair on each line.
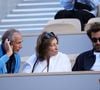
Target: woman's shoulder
31,59
63,55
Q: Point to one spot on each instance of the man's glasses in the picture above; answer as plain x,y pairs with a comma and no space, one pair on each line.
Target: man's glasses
95,40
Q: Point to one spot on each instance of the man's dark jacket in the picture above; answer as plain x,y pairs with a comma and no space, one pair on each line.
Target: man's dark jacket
84,61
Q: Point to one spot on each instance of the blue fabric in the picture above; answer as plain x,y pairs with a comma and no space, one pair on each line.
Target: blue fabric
5,58
69,4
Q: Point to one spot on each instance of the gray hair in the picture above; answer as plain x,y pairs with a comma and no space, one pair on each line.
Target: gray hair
9,34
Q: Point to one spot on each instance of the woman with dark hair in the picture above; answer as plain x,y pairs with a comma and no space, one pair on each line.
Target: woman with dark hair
47,57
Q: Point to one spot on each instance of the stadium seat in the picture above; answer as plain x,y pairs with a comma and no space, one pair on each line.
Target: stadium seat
63,26
92,20
98,11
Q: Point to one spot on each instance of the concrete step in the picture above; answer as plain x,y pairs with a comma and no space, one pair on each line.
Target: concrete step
31,15
22,25
25,29
31,10
26,19
40,1
25,22
25,4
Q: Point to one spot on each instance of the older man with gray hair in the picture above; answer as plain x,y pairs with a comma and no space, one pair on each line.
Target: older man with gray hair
9,57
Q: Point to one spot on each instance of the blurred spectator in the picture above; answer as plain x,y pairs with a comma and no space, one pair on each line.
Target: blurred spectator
80,9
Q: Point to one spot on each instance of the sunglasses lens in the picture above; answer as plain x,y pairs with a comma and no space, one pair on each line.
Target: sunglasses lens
95,40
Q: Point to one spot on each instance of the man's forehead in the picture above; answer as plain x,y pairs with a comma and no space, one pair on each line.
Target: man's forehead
17,35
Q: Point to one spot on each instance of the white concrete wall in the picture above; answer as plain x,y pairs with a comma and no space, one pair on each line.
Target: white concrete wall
6,6
51,81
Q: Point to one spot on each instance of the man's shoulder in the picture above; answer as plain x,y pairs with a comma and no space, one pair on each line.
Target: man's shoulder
86,53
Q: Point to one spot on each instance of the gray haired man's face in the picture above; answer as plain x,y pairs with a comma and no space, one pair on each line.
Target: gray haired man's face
17,43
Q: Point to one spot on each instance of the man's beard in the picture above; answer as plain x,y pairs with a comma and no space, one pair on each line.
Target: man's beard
97,48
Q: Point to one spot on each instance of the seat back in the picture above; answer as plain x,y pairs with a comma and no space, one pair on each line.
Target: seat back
98,10
63,26
92,20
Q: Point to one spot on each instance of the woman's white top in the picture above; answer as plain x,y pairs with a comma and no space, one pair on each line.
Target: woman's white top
57,63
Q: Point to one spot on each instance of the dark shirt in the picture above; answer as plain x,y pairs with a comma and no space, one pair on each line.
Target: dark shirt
84,61
10,64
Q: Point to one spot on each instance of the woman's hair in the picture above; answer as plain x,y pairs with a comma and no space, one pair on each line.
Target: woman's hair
93,28
9,34
43,42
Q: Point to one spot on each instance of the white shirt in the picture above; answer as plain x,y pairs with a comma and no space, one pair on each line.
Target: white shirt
96,66
57,63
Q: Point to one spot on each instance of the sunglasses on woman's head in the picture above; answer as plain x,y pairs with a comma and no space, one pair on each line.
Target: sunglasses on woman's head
49,35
